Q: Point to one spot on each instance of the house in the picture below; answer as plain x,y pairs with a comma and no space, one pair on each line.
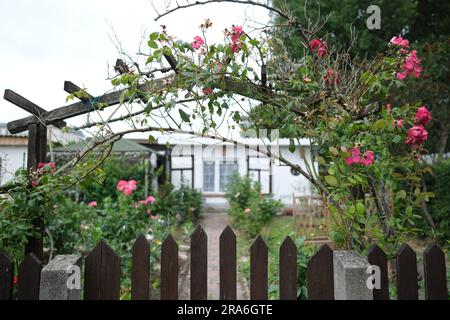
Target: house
206,164
13,148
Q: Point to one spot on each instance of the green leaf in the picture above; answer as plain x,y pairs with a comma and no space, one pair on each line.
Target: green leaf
332,181
154,36
184,116
152,44
397,139
321,160
291,145
401,194
254,42
360,208
333,151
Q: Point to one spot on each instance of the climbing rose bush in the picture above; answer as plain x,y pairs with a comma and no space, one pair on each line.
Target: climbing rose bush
367,147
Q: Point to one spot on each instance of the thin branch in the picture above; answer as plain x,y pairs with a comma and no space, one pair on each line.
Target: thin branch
249,2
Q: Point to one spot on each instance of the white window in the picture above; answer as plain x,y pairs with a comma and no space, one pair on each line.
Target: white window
208,176
226,170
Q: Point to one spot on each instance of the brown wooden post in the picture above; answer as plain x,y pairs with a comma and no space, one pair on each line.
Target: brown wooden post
288,270
320,276
199,264
37,152
140,269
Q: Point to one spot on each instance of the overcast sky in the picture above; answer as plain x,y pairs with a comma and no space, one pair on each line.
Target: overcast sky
44,42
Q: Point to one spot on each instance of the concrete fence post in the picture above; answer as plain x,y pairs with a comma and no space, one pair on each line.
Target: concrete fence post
61,278
350,276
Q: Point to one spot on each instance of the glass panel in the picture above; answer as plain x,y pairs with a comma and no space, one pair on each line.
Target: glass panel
265,181
181,162
176,179
186,178
226,170
208,176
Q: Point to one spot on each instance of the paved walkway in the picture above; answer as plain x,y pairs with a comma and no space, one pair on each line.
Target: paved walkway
213,224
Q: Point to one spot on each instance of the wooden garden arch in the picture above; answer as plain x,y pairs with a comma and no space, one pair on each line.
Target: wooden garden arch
37,123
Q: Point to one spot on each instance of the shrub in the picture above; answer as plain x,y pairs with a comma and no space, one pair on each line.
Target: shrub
439,206
183,204
113,169
249,208
189,203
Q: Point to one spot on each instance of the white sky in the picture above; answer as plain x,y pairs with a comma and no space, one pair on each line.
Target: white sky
43,43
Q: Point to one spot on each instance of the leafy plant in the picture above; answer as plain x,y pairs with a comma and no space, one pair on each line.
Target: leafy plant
250,209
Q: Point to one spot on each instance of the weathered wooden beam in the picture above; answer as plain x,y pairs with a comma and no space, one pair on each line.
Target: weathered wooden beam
29,106
71,87
79,108
37,152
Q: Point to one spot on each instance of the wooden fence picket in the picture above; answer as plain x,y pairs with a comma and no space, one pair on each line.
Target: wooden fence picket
169,269
407,276
6,277
320,277
435,273
258,270
227,248
140,269
377,257
29,278
288,270
102,274
199,264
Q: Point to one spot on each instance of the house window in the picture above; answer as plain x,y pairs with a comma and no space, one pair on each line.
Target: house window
226,170
208,176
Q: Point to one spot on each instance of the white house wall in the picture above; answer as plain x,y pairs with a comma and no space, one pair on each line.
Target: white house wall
284,183
12,158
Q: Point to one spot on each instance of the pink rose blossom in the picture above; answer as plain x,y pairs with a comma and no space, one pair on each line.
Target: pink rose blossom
398,123
126,187
389,108
236,34
198,42
314,44
331,77
368,159
149,212
354,158
92,204
416,135
410,66
423,116
399,41
248,210
321,46
207,91
44,165
150,199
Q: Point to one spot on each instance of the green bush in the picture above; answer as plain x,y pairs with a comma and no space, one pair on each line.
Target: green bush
249,208
439,206
184,204
103,183
189,202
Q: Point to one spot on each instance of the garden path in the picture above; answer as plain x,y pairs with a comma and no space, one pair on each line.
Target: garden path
213,224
